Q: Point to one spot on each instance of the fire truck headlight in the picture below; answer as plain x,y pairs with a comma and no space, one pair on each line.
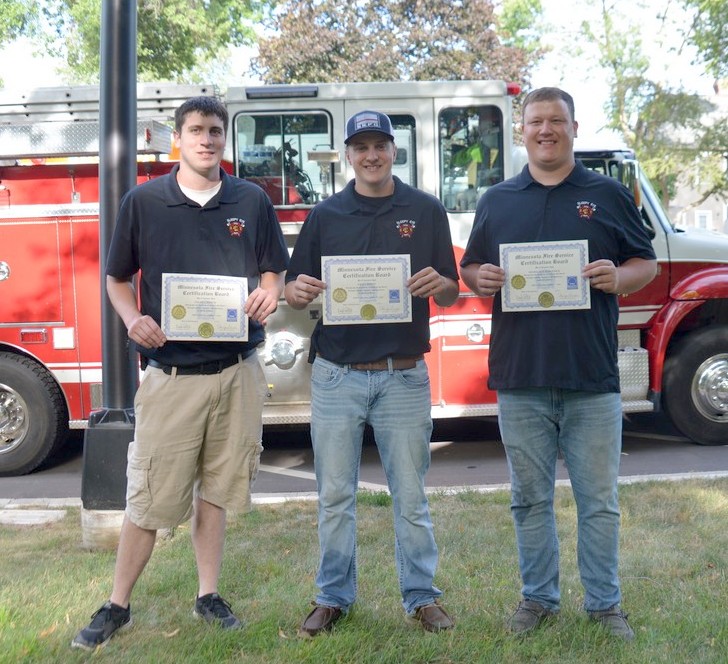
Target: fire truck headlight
282,350
475,333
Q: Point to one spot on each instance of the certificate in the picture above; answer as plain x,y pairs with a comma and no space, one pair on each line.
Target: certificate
204,307
545,276
366,289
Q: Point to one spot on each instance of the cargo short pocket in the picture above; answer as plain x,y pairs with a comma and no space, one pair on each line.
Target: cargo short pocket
138,493
254,464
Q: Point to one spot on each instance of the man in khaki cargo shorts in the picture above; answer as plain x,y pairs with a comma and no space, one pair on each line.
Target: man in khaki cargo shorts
198,408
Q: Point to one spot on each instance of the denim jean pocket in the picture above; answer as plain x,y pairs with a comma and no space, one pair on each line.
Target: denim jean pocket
326,375
416,377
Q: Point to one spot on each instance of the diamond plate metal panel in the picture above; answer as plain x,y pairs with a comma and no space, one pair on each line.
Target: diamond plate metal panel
49,139
81,102
633,373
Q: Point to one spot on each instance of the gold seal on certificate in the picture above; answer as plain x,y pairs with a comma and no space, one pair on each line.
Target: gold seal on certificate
204,307
546,299
366,289
368,312
518,281
206,330
545,276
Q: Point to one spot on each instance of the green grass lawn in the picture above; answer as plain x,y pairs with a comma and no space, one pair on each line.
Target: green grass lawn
674,557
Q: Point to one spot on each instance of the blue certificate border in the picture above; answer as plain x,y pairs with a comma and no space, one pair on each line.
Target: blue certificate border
558,304
404,317
169,279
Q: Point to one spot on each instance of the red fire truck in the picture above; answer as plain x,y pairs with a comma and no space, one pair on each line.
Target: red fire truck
454,140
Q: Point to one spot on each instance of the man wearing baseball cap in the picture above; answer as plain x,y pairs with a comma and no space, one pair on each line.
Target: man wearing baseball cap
373,372
366,121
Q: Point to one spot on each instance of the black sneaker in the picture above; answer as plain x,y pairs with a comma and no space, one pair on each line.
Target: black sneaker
214,609
106,622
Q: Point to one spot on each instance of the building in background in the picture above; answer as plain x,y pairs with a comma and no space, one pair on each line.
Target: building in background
712,213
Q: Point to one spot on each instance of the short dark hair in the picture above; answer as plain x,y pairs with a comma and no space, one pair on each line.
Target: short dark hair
204,105
549,94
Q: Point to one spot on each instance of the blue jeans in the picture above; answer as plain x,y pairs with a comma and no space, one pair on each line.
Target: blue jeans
397,406
586,428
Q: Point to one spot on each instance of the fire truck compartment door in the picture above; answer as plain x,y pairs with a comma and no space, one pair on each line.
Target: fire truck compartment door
30,280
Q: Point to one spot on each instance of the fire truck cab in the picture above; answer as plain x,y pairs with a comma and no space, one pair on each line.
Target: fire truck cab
454,138
681,317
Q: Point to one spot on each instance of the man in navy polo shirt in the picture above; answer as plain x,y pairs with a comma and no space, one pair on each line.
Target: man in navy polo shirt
198,429
556,371
373,372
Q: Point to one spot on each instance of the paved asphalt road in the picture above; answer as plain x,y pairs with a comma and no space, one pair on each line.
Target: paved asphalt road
465,453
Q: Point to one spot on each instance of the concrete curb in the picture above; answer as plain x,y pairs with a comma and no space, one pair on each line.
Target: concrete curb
37,511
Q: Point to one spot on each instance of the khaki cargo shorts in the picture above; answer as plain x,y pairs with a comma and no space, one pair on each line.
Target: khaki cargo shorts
196,435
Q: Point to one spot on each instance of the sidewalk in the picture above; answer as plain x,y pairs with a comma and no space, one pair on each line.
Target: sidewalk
37,511
34,511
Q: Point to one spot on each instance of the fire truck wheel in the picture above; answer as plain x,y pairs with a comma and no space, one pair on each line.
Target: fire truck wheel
33,415
695,386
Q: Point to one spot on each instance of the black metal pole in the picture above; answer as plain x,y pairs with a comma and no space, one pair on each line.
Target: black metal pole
111,428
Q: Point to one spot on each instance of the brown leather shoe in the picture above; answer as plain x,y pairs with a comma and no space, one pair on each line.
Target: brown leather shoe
433,618
321,619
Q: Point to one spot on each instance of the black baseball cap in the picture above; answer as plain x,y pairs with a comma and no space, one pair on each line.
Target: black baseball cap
368,121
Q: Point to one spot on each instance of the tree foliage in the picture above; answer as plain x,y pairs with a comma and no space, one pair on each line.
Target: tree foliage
17,17
518,25
374,40
709,33
173,36
673,132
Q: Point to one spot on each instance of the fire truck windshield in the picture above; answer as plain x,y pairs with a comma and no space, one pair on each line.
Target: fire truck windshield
471,153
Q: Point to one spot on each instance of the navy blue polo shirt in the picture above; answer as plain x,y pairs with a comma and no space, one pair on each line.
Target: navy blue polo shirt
560,349
159,229
408,222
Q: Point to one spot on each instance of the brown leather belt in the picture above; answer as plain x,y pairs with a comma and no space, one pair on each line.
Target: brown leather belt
398,364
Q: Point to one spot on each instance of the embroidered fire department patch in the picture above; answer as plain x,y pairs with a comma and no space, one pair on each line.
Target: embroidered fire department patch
406,227
236,226
585,209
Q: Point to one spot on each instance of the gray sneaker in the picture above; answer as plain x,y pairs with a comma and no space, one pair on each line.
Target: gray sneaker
614,620
106,622
214,609
527,616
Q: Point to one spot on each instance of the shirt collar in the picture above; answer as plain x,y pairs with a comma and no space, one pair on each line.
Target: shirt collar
577,177
350,203
174,195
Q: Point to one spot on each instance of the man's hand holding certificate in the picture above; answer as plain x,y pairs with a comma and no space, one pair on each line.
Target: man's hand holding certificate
366,289
204,307
545,276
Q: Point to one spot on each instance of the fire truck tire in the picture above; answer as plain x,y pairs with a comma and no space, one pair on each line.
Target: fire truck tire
33,414
695,386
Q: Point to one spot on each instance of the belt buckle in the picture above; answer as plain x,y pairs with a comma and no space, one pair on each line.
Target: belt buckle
211,368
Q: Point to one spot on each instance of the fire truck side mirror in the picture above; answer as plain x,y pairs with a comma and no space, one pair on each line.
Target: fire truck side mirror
631,179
